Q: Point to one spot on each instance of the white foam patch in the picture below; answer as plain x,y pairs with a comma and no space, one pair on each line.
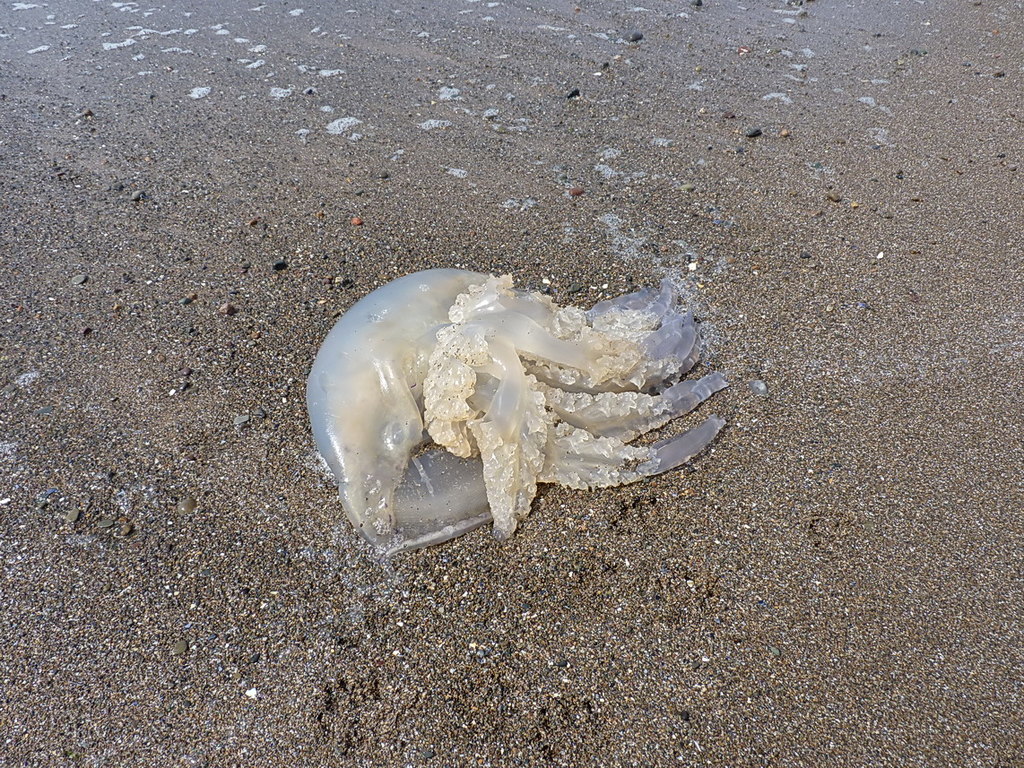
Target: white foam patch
280,93
458,173
331,72
342,125
784,98
199,93
258,49
448,93
327,108
115,46
429,125
40,49
296,12
256,64
659,142
23,6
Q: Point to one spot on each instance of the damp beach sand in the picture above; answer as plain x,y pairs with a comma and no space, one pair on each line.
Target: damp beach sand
192,192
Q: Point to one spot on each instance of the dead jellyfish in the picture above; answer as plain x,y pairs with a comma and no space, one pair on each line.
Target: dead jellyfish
443,398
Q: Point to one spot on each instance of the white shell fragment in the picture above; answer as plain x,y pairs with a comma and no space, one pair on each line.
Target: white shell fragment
511,389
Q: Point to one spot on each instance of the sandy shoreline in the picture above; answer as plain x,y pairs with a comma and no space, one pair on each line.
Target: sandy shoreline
837,582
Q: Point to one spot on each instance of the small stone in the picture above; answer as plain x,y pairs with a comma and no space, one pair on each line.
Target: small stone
79,279
126,530
383,175
356,221
774,651
696,3
310,92
185,301
561,663
758,387
348,282
573,94
179,648
241,419
426,754
280,265
105,523
752,133
72,516
634,37
576,191
688,187
85,113
46,410
138,195
784,133
186,506
252,693
835,197
228,309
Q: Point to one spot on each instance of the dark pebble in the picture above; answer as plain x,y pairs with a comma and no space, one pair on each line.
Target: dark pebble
348,282
310,91
138,195
696,3
753,133
573,94
383,175
426,754
280,265
634,36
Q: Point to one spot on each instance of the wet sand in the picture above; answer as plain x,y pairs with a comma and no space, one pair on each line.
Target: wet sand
837,582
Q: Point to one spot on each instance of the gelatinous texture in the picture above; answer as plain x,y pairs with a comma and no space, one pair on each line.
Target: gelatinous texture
511,389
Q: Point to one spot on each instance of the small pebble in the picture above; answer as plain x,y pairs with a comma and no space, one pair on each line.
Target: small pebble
356,221
696,3
126,530
79,279
241,419
280,265
576,191
688,187
186,506
758,387
106,522
753,133
383,175
72,516
138,195
835,197
228,309
185,301
179,648
46,410
573,94
634,37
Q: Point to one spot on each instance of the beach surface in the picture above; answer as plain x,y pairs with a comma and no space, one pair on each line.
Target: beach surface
190,195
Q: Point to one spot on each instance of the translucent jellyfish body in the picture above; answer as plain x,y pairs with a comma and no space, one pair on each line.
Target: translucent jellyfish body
443,398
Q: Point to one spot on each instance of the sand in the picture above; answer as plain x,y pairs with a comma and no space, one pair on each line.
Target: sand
838,582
